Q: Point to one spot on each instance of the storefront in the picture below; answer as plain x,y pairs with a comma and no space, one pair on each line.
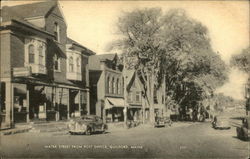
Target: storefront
37,101
114,109
134,113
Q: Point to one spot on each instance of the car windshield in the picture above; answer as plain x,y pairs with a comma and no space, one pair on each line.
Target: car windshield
88,118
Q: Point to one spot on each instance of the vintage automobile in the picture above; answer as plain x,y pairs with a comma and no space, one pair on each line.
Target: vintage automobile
243,131
162,122
87,124
221,122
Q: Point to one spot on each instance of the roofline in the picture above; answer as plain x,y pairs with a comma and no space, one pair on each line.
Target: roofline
9,23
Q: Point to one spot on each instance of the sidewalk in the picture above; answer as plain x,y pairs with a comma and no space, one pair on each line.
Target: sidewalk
17,129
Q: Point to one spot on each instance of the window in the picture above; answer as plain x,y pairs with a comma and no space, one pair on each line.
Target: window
78,64
118,87
56,32
31,53
108,85
138,97
56,63
130,97
71,64
113,86
41,56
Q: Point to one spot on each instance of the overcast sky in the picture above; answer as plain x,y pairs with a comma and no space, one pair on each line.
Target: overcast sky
93,24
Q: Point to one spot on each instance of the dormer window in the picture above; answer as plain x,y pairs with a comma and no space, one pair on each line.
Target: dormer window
56,63
57,32
31,53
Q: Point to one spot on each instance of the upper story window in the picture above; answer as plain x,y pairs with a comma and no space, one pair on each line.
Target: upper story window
57,32
57,66
118,86
71,64
130,97
31,51
138,97
108,85
41,55
78,64
113,86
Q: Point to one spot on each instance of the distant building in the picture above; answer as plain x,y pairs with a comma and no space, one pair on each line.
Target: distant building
44,74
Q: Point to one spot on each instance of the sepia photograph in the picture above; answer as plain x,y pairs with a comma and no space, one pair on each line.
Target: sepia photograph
125,79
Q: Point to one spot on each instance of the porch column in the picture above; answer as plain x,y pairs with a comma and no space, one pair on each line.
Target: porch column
9,96
27,104
88,105
68,104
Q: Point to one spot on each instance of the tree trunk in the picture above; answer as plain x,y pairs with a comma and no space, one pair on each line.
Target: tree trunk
151,98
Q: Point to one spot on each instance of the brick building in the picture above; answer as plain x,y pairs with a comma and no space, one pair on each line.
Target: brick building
106,85
44,74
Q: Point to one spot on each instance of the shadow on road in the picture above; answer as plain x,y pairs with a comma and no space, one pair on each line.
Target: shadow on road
235,137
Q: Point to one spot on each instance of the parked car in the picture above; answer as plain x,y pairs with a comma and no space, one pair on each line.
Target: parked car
162,122
243,132
220,122
87,124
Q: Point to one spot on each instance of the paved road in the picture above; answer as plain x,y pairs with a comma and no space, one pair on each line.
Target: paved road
184,140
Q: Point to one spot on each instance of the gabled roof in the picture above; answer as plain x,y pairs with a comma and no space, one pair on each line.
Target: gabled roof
86,50
95,61
27,10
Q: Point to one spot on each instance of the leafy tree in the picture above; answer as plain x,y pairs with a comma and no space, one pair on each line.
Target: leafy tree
173,47
242,60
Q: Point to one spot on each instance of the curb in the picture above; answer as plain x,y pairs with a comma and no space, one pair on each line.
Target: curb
13,131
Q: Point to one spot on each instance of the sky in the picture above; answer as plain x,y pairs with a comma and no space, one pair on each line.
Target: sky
93,24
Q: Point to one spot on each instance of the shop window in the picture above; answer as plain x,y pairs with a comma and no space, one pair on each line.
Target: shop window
31,53
2,97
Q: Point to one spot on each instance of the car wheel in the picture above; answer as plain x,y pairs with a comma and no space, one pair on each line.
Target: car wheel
238,133
89,131
103,129
72,133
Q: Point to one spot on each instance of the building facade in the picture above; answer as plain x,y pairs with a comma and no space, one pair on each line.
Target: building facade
106,83
44,74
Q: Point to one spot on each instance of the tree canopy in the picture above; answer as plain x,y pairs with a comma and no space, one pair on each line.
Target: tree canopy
242,60
174,46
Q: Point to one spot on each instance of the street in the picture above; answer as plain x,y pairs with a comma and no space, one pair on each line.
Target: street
182,140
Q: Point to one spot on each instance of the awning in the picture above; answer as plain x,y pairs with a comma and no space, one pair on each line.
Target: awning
114,102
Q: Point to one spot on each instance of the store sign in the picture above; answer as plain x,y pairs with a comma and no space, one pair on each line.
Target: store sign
21,71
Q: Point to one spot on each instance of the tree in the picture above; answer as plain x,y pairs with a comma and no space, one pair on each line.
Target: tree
170,45
242,60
